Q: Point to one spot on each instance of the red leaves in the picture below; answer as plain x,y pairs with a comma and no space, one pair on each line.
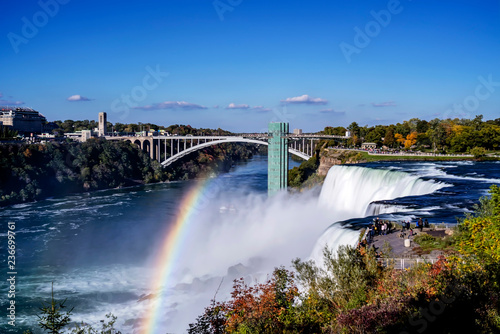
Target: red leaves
261,307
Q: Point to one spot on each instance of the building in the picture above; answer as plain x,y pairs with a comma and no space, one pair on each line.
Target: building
277,157
368,146
86,135
297,131
348,133
23,120
103,123
81,136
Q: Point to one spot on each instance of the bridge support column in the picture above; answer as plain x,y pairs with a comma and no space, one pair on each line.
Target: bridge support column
277,156
158,150
152,150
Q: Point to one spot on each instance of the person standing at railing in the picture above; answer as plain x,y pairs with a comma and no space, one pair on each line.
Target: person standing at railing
420,224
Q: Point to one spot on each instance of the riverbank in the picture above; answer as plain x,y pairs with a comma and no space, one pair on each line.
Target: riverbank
30,172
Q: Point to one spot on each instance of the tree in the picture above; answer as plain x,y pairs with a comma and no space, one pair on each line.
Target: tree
375,134
481,233
478,152
389,139
106,327
354,128
399,138
53,319
411,139
262,308
422,126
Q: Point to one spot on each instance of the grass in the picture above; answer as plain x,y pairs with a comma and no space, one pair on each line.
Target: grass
428,243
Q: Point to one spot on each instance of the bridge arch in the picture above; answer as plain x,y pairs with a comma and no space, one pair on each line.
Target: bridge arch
146,146
197,147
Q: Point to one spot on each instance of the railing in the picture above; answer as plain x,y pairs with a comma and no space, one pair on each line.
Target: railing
402,263
404,153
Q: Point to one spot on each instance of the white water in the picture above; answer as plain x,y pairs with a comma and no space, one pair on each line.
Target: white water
265,233
349,192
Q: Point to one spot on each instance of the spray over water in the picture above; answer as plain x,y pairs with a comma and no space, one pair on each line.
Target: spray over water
261,233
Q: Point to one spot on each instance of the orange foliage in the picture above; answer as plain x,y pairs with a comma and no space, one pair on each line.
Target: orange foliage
262,307
27,153
411,140
407,142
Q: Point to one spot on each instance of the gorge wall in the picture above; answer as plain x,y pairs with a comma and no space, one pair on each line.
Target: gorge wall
332,157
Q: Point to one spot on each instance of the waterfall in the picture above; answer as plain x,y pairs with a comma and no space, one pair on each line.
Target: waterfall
348,191
351,189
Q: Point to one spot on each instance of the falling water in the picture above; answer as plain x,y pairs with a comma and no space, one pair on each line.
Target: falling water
350,191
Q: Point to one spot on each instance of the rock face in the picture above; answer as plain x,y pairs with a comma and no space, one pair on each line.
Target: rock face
331,157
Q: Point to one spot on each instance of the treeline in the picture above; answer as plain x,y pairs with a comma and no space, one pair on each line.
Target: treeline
7,133
35,171
443,136
353,293
66,126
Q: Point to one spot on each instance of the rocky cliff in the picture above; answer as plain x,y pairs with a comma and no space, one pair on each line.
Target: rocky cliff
331,157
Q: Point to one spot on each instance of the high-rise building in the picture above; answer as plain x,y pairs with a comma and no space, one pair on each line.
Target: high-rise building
22,120
103,123
277,157
297,131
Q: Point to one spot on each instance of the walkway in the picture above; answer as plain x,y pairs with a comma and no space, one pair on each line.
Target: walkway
400,256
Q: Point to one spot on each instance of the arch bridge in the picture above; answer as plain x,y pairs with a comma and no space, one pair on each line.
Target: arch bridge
169,149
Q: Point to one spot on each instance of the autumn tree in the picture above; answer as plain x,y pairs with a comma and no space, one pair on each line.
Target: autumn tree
260,308
411,139
399,138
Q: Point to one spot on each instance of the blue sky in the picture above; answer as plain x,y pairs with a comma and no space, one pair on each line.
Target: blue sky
239,64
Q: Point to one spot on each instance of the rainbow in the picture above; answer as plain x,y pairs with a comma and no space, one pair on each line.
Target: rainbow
170,251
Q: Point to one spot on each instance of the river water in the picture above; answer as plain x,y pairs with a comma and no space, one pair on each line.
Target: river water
100,249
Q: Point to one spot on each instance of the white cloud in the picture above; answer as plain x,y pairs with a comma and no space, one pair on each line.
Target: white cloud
237,106
304,99
74,98
171,105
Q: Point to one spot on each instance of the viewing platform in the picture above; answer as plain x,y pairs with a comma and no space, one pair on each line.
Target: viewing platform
401,251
